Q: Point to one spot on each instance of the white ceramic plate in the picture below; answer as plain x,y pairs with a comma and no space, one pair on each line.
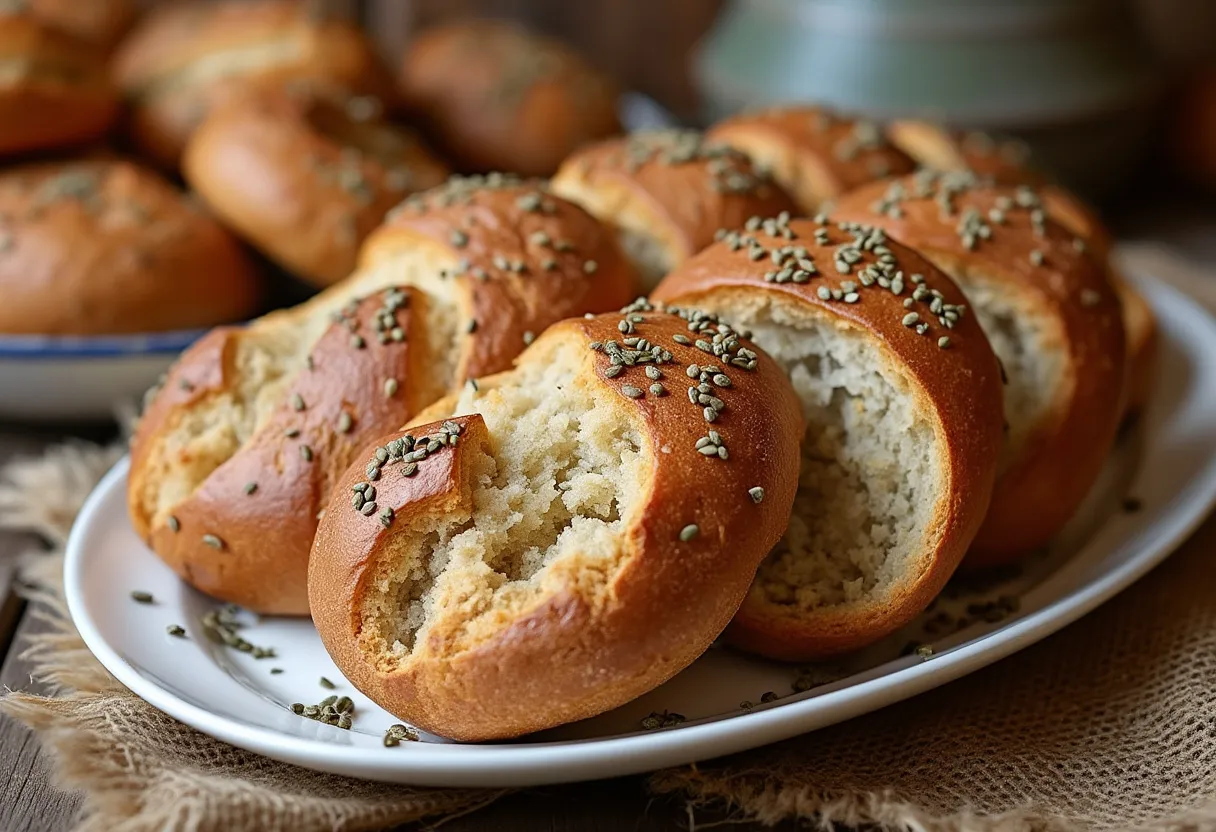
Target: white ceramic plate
62,377
1169,463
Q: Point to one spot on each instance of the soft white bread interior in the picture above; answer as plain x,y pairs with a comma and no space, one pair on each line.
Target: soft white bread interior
571,535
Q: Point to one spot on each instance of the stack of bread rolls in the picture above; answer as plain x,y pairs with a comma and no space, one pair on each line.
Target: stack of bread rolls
478,449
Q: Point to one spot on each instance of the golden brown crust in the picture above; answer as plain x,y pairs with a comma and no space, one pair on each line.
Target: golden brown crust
674,184
272,579
937,147
496,97
99,23
600,641
303,178
1033,257
814,154
257,556
105,246
958,384
53,89
520,246
183,59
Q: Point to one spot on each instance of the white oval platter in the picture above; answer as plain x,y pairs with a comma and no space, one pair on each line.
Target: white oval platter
1168,463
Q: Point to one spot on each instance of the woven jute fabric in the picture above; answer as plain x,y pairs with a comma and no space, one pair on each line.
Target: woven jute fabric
1108,725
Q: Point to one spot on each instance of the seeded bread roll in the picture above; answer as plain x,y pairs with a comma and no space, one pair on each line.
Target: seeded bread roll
305,177
667,193
496,97
99,23
1055,322
935,146
106,246
53,89
183,58
587,539
813,153
901,395
1139,322
238,452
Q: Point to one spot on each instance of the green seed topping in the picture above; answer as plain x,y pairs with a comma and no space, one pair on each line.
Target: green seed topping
251,487
213,541
631,391
306,453
689,532
176,630
944,342
390,387
141,597
529,338
757,494
297,402
459,238
173,523
344,422
325,683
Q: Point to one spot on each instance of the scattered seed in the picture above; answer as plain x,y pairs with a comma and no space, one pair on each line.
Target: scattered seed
306,453
213,541
141,597
297,402
757,494
344,422
325,683
251,487
390,387
632,392
173,523
689,532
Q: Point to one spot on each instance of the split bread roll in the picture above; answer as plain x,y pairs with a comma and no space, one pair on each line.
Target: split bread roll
1055,322
901,394
572,535
494,96
183,58
105,246
305,176
667,192
813,153
53,89
238,452
1004,160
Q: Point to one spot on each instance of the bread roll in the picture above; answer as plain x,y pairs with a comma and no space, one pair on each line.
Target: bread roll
183,58
1004,160
238,452
667,192
305,177
105,246
902,399
813,153
496,97
1055,322
588,538
99,23
53,89
935,146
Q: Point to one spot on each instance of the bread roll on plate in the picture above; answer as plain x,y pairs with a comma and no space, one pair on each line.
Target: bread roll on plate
667,192
305,176
104,246
238,452
1055,322
1004,160
902,399
812,152
497,97
182,58
53,88
572,534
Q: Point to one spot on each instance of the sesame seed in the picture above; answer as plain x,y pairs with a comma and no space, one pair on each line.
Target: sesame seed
689,532
297,402
459,238
614,370
390,387
590,266
344,422
306,453
911,319
1036,258
213,541
409,469
944,342
681,339
472,327
757,494
176,630
141,597
658,390
529,338
291,433
653,373
251,487
631,391
173,523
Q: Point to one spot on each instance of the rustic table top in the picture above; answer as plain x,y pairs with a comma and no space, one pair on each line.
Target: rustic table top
29,803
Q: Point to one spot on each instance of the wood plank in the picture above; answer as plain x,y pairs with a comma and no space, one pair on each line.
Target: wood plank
28,802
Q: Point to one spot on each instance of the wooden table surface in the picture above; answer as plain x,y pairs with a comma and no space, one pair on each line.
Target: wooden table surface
28,802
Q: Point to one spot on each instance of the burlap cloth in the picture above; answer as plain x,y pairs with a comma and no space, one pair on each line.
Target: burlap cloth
1110,724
